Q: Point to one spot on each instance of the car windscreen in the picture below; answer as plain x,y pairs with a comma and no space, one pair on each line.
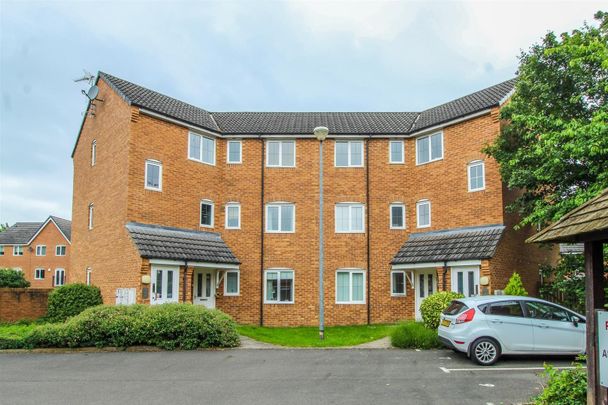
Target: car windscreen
455,308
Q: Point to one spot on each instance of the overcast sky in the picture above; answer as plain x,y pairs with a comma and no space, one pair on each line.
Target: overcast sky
234,56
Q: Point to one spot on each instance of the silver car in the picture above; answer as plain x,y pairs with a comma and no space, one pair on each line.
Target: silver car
486,327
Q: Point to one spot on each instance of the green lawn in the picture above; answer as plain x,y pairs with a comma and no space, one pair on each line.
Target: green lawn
309,336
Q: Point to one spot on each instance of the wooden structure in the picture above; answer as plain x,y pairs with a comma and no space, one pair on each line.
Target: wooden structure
587,224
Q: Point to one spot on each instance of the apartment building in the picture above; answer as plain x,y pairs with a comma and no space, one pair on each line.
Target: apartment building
173,203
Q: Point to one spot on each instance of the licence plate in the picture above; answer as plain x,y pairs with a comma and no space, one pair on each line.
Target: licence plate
446,322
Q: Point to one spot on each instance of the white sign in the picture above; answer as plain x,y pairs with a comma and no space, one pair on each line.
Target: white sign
602,347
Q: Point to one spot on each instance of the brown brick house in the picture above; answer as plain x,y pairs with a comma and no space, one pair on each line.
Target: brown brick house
41,250
175,203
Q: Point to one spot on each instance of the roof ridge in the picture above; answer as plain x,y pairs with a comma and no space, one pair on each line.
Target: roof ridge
172,228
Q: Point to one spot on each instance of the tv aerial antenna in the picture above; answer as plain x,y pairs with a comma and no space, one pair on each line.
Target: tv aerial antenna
91,93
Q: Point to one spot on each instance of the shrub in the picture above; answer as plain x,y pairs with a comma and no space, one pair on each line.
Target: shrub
414,335
72,299
13,279
515,286
564,387
432,306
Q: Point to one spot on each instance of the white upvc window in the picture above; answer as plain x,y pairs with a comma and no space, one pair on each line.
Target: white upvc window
1,250
39,274
398,283
91,211
350,218
281,153
207,213
396,152
153,175
477,175
350,286
278,286
234,153
233,215
201,148
59,279
231,283
348,154
423,214
397,216
89,275
60,250
280,218
93,152
40,250
429,148
17,250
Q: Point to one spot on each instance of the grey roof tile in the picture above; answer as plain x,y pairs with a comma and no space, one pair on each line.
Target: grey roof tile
161,242
452,244
65,225
20,233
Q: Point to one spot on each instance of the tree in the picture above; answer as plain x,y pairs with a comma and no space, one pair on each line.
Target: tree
554,145
4,227
515,286
12,278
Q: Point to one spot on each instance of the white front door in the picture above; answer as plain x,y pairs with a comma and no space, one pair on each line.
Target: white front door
425,284
465,280
204,288
165,284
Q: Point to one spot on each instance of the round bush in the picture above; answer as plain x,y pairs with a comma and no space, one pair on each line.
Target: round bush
12,278
72,299
432,306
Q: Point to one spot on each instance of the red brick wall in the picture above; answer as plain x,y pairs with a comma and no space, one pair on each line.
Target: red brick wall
23,303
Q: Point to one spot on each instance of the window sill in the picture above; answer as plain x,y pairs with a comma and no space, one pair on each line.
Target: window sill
350,303
206,226
280,232
401,228
153,189
422,227
231,295
200,161
278,302
396,163
280,167
476,190
430,161
350,232
398,295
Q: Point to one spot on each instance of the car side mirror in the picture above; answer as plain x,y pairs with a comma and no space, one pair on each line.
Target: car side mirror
575,322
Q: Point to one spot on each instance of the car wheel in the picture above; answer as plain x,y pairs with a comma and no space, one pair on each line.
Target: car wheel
485,351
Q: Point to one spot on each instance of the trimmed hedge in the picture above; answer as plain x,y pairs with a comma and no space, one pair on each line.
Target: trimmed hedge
168,326
12,278
432,306
414,335
70,300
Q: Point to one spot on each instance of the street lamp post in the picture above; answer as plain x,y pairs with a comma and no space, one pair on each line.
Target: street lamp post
321,134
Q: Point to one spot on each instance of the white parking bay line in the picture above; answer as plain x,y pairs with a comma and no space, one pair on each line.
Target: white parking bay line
449,370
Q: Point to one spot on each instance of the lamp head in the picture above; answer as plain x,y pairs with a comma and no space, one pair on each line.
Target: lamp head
321,133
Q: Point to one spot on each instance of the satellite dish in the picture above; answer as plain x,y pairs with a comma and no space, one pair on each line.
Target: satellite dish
93,92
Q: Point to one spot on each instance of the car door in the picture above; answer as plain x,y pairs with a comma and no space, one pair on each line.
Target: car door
512,328
554,329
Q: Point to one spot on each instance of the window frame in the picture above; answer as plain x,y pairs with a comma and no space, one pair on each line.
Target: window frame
350,289
350,206
93,152
40,249
390,207
293,286
390,152
521,304
1,250
158,163
471,165
430,156
281,142
393,293
240,143
350,154
279,204
88,274
17,250
36,274
57,270
418,204
226,207
238,283
91,214
65,250
200,213
201,154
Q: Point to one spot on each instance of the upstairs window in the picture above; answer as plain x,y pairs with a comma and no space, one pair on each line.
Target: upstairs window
1,250
349,218
39,274
279,287
91,211
41,250
233,216
477,176
396,154
201,148
93,152
349,154
235,151
429,148
350,287
17,250
423,213
60,250
154,175
280,218
207,213
281,153
397,216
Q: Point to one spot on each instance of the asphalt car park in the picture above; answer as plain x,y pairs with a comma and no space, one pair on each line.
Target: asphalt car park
306,376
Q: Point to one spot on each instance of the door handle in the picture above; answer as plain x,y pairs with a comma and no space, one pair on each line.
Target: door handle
543,325
495,321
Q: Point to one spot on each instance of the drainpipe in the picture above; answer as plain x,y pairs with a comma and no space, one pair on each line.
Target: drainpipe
262,233
445,272
367,211
184,289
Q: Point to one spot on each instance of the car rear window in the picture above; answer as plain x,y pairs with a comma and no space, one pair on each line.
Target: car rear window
455,308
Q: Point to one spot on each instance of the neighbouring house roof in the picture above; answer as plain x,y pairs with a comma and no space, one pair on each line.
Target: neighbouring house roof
450,245
22,233
587,222
161,242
